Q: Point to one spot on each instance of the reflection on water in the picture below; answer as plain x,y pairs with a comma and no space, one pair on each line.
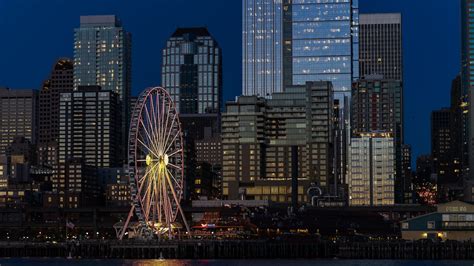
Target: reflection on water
87,262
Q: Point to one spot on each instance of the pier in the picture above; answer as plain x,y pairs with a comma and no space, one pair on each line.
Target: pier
243,249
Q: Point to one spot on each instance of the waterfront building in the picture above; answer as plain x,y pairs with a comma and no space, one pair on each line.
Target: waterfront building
372,170
451,221
192,71
18,116
380,50
102,57
264,139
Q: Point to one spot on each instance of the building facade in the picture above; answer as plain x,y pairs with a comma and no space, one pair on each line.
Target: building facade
60,80
372,170
467,81
380,50
262,47
290,42
89,138
18,116
192,71
102,57
452,221
446,163
377,106
259,137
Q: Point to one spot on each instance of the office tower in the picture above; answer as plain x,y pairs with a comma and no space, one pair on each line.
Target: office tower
445,162
407,174
467,81
377,106
459,131
380,50
89,138
372,171
90,126
262,47
60,80
197,128
259,135
18,116
102,57
192,71
290,42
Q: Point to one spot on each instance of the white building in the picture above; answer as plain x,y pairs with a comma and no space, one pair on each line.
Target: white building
372,170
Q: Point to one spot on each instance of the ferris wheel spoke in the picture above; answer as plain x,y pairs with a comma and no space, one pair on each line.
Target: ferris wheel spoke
147,134
174,166
162,118
155,126
175,152
150,124
148,148
174,179
172,141
168,133
165,129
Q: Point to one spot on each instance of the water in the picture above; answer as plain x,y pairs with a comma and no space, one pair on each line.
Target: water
86,262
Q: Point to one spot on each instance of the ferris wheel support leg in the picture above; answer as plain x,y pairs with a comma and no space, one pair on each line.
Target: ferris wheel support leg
125,225
179,205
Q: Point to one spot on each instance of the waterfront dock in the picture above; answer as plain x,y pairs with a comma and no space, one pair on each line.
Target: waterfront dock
242,249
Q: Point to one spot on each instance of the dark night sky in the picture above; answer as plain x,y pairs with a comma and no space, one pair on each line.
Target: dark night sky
34,33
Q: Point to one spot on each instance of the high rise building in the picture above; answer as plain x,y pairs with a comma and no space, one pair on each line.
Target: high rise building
102,57
290,42
18,116
458,127
380,50
372,170
259,136
89,138
262,47
192,71
89,126
377,106
467,80
407,175
446,164
60,80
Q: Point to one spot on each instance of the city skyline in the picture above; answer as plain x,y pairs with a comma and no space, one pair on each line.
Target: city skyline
147,47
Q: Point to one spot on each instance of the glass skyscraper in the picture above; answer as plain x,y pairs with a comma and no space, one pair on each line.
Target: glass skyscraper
102,56
290,42
192,71
325,43
262,47
467,81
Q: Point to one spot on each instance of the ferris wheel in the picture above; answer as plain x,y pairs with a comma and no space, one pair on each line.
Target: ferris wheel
155,163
